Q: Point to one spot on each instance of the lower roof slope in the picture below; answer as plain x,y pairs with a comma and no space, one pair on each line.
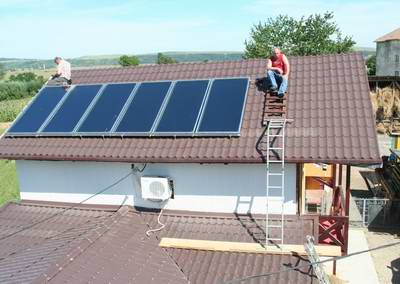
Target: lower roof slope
328,101
83,245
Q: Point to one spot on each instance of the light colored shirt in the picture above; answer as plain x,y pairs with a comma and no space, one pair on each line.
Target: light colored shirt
64,69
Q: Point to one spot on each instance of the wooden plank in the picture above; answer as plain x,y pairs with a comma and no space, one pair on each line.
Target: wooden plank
322,250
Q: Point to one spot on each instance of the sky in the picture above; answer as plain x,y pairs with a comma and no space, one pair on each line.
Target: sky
72,28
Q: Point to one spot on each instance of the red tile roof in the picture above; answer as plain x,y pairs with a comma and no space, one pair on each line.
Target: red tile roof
328,101
84,245
393,35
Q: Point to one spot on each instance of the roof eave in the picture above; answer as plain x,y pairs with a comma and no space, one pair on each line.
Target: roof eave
367,161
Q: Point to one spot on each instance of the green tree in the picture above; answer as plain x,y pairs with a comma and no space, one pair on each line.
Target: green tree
25,77
316,34
126,60
164,59
2,72
371,65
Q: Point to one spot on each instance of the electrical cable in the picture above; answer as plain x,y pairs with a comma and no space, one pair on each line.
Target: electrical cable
238,280
162,225
136,169
82,235
67,208
46,239
159,222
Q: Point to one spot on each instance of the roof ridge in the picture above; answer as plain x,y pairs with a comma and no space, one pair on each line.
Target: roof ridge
117,67
114,67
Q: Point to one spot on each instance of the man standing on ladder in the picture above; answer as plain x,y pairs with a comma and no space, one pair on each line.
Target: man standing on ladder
63,75
278,69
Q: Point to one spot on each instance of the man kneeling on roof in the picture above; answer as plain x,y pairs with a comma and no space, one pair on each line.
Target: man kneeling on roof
63,75
278,72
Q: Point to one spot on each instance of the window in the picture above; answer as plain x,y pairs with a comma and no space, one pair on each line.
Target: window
396,58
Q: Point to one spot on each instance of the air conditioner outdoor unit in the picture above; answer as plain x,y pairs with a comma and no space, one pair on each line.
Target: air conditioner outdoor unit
155,188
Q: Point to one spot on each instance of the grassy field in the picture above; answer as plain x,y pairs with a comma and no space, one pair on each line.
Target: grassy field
8,179
11,108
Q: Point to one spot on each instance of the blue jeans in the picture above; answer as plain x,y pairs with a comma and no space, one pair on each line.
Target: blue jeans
277,79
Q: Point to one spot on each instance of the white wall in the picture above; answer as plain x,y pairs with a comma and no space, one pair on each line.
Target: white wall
207,187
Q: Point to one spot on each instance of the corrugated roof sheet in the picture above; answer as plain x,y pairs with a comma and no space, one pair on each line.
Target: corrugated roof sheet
85,245
328,101
393,35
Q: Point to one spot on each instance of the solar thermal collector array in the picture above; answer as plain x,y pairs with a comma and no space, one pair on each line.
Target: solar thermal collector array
208,107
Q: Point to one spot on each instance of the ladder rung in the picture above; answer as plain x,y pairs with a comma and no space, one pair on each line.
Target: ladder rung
275,135
275,226
275,186
275,148
275,161
275,174
276,104
274,239
276,198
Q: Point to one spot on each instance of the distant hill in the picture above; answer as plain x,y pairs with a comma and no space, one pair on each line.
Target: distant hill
107,60
366,51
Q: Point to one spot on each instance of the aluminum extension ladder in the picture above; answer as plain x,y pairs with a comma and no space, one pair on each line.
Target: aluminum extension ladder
275,134
313,257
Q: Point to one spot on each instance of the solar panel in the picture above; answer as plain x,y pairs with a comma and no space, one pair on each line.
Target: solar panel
182,110
206,107
107,108
38,111
143,109
224,108
71,111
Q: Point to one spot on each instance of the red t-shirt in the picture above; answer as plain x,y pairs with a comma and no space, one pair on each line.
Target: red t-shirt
277,61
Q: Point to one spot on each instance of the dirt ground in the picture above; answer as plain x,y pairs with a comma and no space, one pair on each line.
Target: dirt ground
387,261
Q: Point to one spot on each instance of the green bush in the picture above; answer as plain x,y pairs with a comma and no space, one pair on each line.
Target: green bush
165,59
11,108
25,77
126,60
19,90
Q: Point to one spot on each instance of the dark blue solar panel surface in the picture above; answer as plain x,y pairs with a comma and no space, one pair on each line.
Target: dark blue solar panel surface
143,109
39,110
107,108
72,109
224,108
220,110
181,112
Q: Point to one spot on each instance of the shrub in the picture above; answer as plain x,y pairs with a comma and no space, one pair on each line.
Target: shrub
19,90
165,59
11,108
126,60
26,77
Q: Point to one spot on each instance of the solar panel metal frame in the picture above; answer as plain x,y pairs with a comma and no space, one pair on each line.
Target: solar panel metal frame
120,115
25,109
41,133
223,133
182,134
123,112
112,132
